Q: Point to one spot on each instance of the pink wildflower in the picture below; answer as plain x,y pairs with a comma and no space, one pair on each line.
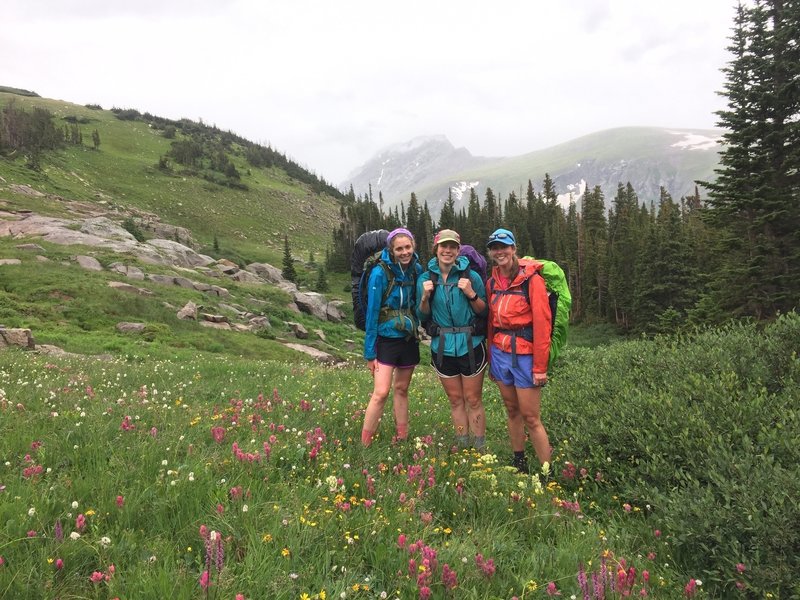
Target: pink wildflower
449,578
240,597
59,564
401,540
80,522
690,589
96,577
740,568
424,592
120,501
218,433
2,561
32,533
657,533
626,507
552,590
205,580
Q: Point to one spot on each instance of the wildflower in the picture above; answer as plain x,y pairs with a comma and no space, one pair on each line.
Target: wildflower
690,588
244,508
120,501
105,541
32,533
205,580
285,552
240,597
74,535
80,522
740,568
96,577
31,511
59,564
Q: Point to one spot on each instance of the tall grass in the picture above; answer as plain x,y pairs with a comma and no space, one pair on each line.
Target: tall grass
144,460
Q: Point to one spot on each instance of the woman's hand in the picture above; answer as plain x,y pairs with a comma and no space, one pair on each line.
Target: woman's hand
539,378
427,289
372,365
465,285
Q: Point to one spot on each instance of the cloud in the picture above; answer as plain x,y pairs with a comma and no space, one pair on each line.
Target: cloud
330,84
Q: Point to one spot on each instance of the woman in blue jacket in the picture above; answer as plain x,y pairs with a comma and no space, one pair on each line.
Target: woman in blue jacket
391,344
452,295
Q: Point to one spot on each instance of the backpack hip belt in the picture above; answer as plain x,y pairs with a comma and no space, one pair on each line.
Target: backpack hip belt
440,349
526,333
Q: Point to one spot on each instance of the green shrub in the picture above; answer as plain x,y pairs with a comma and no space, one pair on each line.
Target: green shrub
701,429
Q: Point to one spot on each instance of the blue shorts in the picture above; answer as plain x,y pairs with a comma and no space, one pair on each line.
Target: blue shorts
520,376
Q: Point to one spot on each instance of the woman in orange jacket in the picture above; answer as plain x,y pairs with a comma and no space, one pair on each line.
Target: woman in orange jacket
519,343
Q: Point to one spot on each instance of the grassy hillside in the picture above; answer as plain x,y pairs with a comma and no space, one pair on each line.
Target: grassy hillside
124,172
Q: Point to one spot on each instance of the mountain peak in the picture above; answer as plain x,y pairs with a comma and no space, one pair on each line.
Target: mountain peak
646,157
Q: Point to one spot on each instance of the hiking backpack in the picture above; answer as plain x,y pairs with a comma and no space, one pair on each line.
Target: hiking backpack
477,263
366,254
560,300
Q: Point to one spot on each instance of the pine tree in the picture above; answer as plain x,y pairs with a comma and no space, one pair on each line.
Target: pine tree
754,204
322,281
447,218
288,272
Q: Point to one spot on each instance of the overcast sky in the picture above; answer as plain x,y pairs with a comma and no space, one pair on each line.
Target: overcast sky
331,83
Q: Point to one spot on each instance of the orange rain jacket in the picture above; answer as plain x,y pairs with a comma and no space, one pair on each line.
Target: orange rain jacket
511,311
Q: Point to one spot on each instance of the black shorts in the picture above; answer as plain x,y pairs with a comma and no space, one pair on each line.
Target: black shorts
455,366
398,352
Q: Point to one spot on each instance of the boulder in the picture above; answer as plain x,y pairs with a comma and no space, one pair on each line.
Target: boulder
247,277
215,318
162,279
312,303
214,325
35,247
10,261
300,332
189,311
129,271
266,272
259,323
16,337
319,355
90,263
103,227
130,327
127,287
178,254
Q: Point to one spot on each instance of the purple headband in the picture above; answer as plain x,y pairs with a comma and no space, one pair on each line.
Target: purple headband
395,232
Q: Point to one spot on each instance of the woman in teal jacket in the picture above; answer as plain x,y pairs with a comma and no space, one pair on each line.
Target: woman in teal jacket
451,295
391,343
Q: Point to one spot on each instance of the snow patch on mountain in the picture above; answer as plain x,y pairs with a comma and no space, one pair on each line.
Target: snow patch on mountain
574,193
459,188
695,141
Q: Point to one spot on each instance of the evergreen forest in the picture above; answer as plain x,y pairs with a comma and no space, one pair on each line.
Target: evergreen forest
661,264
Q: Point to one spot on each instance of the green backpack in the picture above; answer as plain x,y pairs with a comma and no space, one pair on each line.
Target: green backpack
560,304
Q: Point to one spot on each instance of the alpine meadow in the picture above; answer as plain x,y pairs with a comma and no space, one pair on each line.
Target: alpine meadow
182,387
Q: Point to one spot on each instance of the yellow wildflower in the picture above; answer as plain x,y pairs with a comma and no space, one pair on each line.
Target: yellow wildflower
285,552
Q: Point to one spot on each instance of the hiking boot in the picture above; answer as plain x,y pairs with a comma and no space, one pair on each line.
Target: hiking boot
521,464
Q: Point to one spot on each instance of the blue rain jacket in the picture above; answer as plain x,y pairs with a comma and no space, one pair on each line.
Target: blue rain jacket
401,319
450,307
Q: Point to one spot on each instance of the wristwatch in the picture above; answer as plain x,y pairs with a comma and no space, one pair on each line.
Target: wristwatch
475,297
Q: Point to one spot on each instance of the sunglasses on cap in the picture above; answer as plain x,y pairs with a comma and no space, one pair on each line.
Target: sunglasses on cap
502,237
